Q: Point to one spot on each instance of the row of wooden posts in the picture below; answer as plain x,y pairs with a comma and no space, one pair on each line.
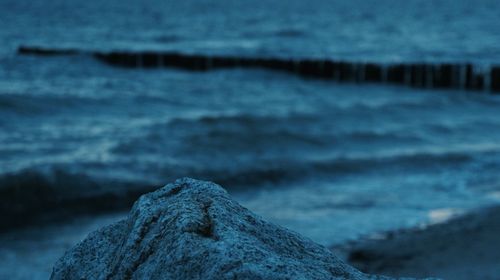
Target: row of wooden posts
463,76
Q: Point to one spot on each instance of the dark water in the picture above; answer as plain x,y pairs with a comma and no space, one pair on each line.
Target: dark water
330,161
371,29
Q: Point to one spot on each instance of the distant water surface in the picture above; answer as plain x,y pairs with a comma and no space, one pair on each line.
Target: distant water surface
378,30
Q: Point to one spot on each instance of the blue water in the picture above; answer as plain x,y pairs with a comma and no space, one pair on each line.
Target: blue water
359,29
331,161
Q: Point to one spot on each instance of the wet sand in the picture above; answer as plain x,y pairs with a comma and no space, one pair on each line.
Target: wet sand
466,247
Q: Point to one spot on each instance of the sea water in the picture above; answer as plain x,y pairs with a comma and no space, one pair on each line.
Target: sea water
331,161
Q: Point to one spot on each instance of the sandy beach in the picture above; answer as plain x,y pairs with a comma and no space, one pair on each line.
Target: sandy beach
467,247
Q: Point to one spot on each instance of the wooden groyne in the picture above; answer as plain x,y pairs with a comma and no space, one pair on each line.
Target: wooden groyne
464,76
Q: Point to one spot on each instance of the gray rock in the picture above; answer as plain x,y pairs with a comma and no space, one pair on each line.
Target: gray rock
193,230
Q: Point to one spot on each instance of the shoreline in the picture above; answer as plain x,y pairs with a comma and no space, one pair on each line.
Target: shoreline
465,247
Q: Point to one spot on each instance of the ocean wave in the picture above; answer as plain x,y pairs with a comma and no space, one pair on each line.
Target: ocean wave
241,134
40,194
36,193
168,38
286,32
290,33
296,125
38,104
260,173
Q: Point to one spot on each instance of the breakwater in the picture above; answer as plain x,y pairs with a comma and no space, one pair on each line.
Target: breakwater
464,76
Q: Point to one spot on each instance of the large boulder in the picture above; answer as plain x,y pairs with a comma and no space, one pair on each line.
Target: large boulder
193,230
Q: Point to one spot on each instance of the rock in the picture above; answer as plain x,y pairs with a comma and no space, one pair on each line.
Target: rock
193,230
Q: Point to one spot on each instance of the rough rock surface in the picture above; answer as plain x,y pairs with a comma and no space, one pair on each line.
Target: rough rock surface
193,230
